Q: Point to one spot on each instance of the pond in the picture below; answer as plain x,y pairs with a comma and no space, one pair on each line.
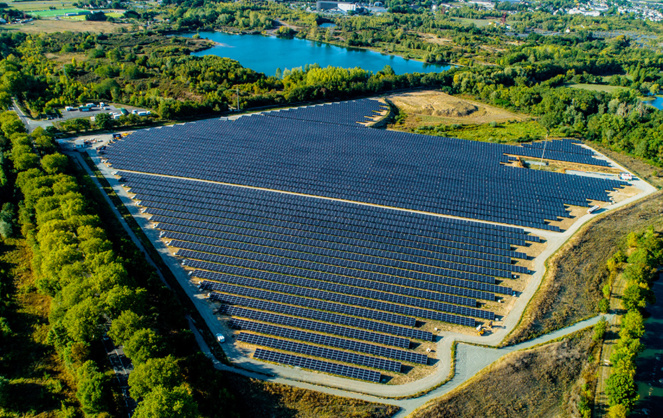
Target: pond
267,53
657,102
649,375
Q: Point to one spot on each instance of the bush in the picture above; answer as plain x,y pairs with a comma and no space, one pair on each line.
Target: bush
604,305
599,330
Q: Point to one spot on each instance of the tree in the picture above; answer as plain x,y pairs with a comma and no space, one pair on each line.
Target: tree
124,326
143,345
54,163
92,389
103,121
154,372
621,390
168,403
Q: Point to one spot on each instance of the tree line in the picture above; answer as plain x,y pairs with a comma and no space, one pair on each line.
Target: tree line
90,286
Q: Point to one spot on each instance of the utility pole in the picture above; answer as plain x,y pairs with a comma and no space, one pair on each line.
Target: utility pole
545,143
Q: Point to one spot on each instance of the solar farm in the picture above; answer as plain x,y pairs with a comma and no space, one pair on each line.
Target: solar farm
327,245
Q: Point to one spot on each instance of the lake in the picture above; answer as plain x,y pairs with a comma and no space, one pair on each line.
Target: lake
267,53
657,102
649,365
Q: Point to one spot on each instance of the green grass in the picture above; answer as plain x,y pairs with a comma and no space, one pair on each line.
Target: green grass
595,87
30,6
490,132
477,22
53,13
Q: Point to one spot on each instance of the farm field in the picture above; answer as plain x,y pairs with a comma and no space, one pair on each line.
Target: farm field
31,6
63,25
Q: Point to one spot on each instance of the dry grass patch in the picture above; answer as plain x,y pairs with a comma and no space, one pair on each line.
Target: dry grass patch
256,398
52,26
650,173
570,290
533,383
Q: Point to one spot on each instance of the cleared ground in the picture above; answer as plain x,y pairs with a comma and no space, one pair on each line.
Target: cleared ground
41,5
429,107
532,383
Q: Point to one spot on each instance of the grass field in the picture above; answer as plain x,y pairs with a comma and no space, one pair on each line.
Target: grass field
477,22
62,25
256,398
533,383
595,87
53,13
501,133
570,290
31,6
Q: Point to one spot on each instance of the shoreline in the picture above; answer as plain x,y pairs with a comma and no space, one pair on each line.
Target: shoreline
358,48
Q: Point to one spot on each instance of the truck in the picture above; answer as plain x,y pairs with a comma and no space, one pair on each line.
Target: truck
85,108
593,209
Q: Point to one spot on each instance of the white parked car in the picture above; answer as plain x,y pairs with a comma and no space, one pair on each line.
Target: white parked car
220,338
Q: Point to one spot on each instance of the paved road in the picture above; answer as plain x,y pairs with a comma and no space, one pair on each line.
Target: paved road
471,358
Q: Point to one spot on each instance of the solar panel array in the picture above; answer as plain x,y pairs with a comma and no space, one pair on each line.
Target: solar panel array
328,353
316,151
319,365
321,339
331,278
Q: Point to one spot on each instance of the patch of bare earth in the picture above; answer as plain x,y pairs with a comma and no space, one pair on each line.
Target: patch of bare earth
533,383
434,107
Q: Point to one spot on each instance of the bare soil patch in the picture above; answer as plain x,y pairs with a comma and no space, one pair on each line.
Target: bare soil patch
431,107
533,383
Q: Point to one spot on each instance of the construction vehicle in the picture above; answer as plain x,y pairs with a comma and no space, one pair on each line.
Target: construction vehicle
481,330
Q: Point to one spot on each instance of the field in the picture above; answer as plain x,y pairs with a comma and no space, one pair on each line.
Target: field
596,87
31,6
571,288
53,13
433,107
437,113
532,383
264,399
63,25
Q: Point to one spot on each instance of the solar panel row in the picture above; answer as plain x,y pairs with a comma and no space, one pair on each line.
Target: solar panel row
319,365
326,353
353,300
351,345
313,303
321,315
440,285
289,321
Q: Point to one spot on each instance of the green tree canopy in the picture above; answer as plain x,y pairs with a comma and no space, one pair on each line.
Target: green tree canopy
153,373
168,403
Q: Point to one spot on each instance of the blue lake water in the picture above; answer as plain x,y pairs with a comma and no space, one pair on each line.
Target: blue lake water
657,102
267,53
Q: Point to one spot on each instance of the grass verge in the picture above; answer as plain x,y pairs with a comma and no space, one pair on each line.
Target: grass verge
571,288
538,382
